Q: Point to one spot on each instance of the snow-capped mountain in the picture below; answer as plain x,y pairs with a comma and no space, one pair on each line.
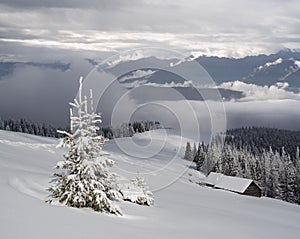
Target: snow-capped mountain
260,70
278,71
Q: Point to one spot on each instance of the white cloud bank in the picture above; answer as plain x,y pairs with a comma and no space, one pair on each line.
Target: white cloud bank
254,92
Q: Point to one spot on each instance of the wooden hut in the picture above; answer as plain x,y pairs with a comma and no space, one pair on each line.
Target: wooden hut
239,185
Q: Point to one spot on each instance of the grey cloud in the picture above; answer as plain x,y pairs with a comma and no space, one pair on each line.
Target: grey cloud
278,114
182,25
39,93
28,4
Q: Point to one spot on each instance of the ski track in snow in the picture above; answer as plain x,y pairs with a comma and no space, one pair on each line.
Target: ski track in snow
27,186
46,147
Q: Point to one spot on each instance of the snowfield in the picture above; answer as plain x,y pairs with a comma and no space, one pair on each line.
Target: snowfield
182,208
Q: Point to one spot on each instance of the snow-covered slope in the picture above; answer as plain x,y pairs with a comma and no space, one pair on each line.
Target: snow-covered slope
182,208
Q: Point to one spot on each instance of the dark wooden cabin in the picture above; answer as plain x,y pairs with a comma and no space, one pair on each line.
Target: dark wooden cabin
253,190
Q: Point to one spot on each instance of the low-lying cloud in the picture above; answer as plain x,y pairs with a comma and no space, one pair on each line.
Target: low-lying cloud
254,92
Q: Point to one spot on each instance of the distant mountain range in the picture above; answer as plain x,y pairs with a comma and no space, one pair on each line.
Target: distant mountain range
260,70
274,69
281,69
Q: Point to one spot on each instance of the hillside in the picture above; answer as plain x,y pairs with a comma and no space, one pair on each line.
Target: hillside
182,209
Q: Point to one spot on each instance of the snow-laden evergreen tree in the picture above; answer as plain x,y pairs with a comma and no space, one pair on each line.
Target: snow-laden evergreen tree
265,163
197,155
200,156
188,155
290,181
210,159
274,177
287,178
297,183
84,178
194,151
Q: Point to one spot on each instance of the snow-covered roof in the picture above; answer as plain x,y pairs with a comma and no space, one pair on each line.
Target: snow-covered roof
213,178
234,184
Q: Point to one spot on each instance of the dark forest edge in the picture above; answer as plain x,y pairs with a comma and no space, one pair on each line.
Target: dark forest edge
269,156
109,132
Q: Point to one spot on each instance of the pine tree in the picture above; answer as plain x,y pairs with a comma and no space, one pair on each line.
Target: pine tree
274,179
290,181
265,162
194,152
84,178
209,160
197,155
200,156
297,180
188,155
287,178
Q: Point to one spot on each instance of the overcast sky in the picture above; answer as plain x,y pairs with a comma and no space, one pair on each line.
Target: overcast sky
224,27
72,30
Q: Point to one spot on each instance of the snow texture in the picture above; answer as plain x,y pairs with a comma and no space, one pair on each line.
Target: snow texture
182,209
213,178
234,184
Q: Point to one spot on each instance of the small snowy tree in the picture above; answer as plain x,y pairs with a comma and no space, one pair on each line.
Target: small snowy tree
147,198
137,191
84,178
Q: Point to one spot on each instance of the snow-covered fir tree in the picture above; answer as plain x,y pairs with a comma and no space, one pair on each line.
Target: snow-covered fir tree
200,156
194,151
188,155
84,178
297,184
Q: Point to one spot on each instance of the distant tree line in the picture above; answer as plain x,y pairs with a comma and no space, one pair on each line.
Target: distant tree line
275,170
128,129
110,132
28,127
